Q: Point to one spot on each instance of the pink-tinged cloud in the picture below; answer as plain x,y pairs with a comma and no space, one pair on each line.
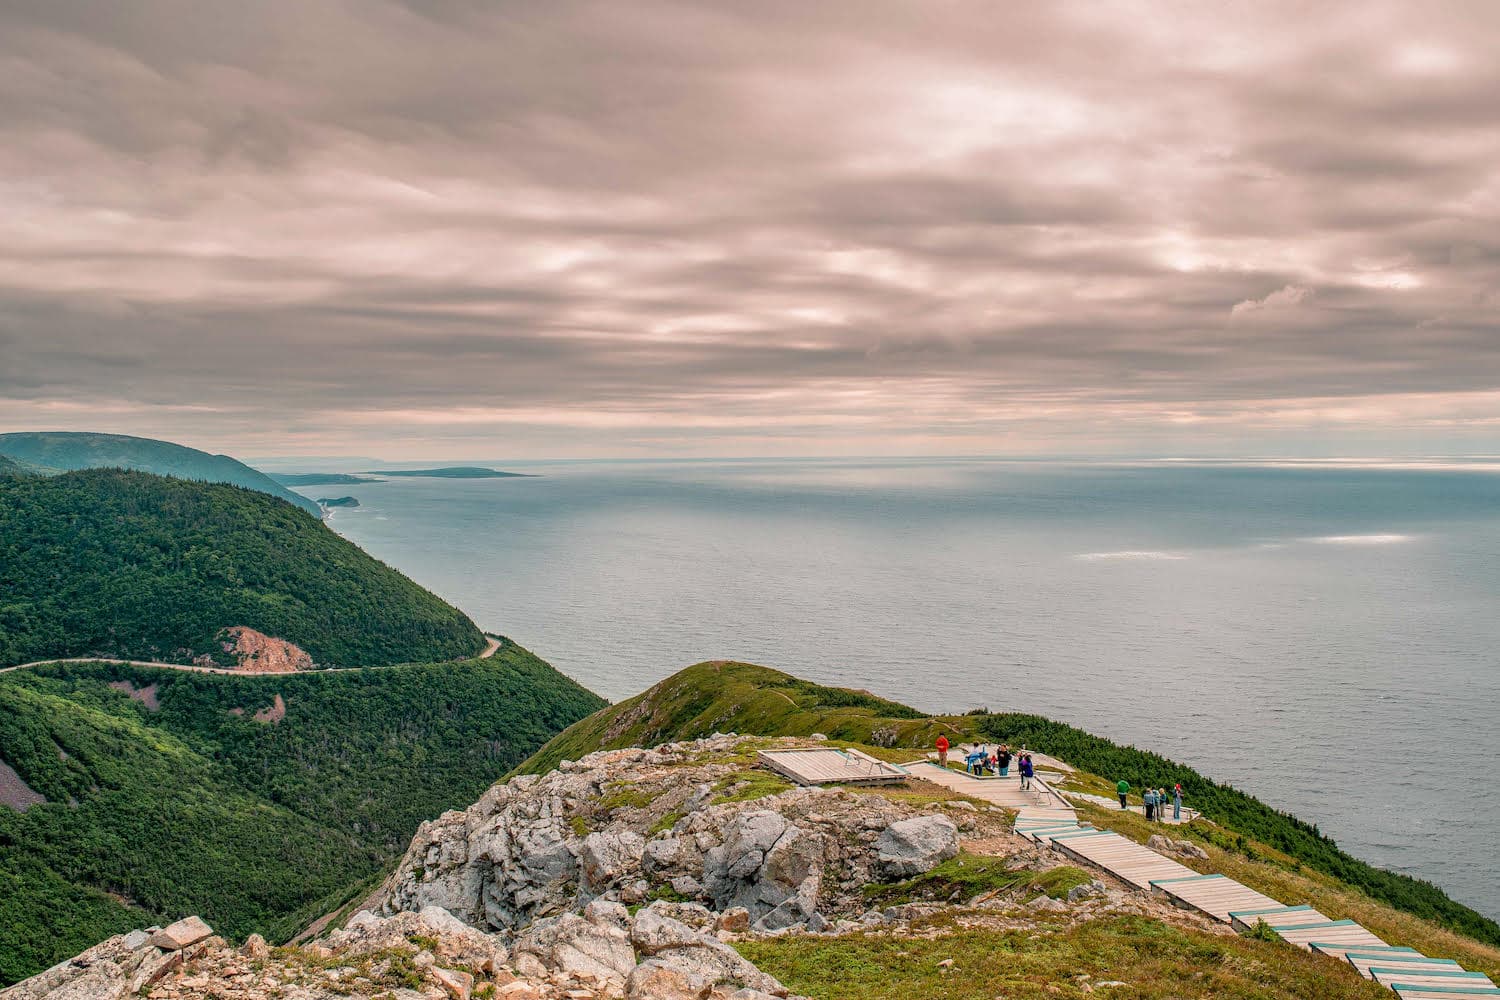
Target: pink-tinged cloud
463,228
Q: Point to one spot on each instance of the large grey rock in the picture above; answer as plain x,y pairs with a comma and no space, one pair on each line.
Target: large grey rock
576,947
916,846
675,944
656,980
608,857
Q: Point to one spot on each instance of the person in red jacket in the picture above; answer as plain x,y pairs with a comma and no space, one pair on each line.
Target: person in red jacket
942,745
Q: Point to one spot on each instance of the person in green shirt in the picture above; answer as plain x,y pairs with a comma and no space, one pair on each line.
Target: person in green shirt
1124,789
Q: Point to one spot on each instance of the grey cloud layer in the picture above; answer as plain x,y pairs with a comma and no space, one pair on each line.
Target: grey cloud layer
609,228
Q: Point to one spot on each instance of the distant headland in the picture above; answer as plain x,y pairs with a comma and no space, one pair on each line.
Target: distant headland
379,475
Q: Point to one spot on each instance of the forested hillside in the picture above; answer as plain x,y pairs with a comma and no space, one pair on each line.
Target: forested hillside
132,565
166,795
66,451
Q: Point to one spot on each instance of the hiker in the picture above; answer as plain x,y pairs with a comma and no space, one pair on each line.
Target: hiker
1177,802
1161,805
1149,798
1026,771
1123,787
1002,760
942,745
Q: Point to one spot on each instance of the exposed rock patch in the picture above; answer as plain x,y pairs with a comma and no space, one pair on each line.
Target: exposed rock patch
275,713
14,792
145,695
257,653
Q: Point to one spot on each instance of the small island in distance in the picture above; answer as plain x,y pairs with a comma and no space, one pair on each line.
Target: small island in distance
376,476
338,502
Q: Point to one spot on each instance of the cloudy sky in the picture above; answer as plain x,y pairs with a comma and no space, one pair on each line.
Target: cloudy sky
483,229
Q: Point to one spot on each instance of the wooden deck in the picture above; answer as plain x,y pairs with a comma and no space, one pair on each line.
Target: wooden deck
827,765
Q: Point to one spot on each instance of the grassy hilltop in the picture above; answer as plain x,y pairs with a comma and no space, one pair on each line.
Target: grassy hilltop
166,795
749,699
130,565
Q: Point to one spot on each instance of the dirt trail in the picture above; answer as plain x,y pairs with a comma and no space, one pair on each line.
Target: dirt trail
492,646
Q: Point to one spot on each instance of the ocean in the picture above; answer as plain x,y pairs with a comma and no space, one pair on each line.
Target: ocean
1325,638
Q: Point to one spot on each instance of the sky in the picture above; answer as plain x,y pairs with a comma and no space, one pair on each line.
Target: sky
446,229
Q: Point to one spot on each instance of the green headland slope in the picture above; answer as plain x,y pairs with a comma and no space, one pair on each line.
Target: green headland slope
131,565
66,451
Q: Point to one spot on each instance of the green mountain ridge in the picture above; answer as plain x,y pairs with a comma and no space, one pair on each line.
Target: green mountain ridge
136,566
195,806
722,696
67,451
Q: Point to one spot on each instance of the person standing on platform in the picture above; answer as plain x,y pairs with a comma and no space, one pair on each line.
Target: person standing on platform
1177,802
1149,798
942,747
1123,787
1002,760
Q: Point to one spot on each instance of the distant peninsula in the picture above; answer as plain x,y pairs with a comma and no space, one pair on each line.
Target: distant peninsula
338,502
320,478
379,475
454,472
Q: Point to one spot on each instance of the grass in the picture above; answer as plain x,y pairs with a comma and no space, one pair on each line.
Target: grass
1154,961
624,795
966,876
724,696
747,786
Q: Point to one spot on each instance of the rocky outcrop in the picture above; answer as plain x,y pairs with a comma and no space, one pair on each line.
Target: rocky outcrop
1182,848
623,875
626,825
121,966
257,653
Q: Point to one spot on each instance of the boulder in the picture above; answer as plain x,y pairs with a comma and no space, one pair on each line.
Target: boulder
607,857
675,944
656,980
255,947
577,947
1089,890
735,920
175,937
457,984
916,846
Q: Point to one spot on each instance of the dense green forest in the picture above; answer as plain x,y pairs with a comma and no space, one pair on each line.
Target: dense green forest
132,565
194,806
66,451
744,698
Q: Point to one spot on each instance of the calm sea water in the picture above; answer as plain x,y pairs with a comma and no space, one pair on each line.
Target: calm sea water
1326,639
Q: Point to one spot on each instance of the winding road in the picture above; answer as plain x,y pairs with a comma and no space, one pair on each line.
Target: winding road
491,648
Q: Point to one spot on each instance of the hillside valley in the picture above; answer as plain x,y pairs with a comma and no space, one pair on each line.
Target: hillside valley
256,801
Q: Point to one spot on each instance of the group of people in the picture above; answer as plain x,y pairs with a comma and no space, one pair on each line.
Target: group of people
1155,799
997,760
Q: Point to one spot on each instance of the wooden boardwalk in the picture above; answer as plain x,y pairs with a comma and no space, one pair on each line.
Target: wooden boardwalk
826,765
1004,792
1409,974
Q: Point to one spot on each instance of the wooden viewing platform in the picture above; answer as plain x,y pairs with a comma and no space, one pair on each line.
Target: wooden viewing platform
1408,973
827,765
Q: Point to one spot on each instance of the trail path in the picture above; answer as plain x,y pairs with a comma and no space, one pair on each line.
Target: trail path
492,646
